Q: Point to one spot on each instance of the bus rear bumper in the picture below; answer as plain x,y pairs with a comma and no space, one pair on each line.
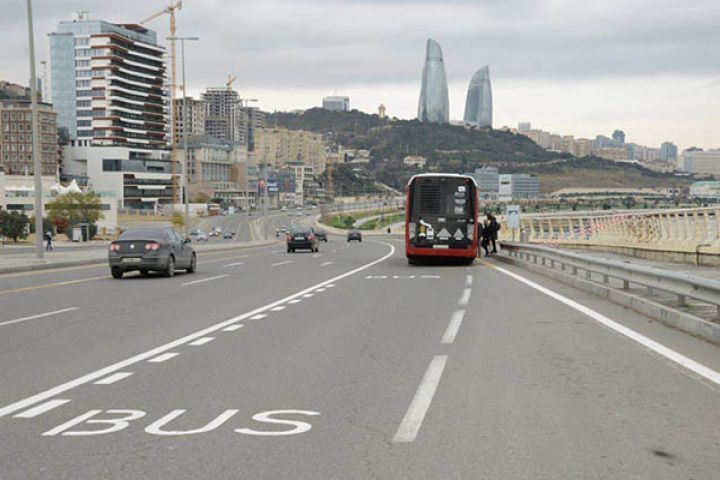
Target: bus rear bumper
469,252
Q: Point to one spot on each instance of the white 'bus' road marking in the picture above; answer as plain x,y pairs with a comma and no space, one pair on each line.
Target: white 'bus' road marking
465,299
325,264
42,408
203,280
468,281
102,372
234,264
281,263
232,328
695,367
453,326
411,423
116,377
163,358
40,315
201,341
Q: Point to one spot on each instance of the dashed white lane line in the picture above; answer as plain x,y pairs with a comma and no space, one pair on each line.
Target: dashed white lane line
320,290
259,316
411,423
235,264
232,328
163,358
153,352
465,299
325,264
42,408
293,302
281,263
279,308
40,315
201,341
308,295
453,326
317,255
115,377
680,359
332,285
469,281
203,280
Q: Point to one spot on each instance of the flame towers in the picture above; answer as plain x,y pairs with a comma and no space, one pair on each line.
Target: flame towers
478,106
434,104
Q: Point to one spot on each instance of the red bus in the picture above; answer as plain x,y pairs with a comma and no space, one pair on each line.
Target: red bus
441,215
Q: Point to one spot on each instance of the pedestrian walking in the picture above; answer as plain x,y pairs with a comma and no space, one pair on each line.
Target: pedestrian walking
48,237
494,227
485,236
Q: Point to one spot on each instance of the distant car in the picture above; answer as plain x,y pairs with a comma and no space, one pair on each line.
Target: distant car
321,235
283,208
284,229
151,249
302,238
354,234
202,236
229,235
194,232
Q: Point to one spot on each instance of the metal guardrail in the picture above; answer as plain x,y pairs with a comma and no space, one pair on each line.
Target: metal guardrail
682,285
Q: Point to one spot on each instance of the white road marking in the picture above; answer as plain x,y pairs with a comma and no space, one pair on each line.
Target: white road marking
469,281
232,328
465,299
201,341
453,326
42,408
281,263
433,277
163,358
102,372
308,295
116,377
203,280
411,423
40,315
695,367
330,286
325,264
320,290
279,308
259,316
234,264
317,255
293,302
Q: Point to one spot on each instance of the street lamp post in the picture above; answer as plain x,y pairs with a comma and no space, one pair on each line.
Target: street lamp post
37,159
185,133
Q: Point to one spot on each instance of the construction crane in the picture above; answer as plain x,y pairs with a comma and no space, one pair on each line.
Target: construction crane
170,10
231,79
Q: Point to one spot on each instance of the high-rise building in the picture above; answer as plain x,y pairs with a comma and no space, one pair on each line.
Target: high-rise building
107,83
196,116
223,115
252,118
434,104
478,105
668,152
487,178
618,137
16,145
696,160
336,104
278,146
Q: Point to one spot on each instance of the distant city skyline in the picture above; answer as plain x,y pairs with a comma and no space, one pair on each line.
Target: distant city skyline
552,64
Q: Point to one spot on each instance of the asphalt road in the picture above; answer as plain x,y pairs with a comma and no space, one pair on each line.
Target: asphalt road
347,364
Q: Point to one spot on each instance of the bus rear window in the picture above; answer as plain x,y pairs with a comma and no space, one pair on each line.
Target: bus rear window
442,198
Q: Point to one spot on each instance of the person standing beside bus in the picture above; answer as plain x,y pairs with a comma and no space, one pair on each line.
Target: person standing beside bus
485,235
494,228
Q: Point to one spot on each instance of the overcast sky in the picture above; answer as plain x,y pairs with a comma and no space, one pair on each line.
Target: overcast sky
582,67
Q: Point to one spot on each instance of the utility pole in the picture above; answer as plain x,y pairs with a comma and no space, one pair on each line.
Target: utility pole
37,159
186,153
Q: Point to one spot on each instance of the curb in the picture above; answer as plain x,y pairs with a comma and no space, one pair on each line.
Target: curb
103,260
667,316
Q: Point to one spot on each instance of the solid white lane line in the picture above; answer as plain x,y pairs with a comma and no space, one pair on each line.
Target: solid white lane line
259,316
201,341
163,358
695,367
234,264
279,308
468,281
42,408
411,423
116,377
203,280
232,328
281,263
325,264
40,315
89,377
293,302
453,326
465,299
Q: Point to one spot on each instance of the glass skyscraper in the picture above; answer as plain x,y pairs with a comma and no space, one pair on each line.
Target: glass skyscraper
478,106
434,105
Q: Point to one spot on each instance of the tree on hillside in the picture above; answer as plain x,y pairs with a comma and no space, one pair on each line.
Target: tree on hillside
73,208
14,225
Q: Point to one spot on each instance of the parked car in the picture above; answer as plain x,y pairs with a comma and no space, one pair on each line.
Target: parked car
302,238
202,236
151,249
321,235
354,234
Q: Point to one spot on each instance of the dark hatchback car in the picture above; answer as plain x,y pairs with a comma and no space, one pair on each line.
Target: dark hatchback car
151,249
321,235
354,235
302,238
